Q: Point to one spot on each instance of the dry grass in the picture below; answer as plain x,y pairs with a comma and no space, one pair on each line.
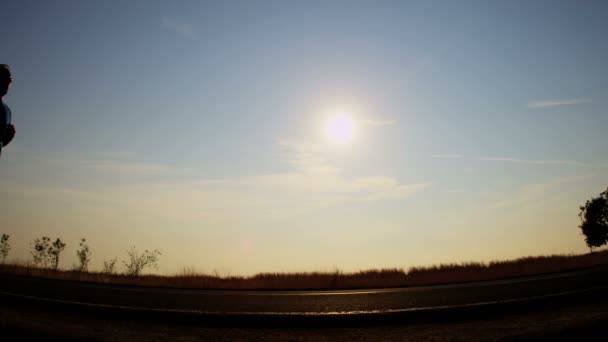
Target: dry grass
441,274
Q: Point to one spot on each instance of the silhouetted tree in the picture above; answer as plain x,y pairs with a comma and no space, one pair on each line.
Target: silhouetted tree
40,251
84,256
109,266
594,220
45,253
137,262
54,251
5,247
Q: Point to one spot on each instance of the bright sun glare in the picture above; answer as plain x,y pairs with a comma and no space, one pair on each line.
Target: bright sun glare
340,129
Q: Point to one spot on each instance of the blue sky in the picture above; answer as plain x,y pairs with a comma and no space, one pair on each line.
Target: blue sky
197,128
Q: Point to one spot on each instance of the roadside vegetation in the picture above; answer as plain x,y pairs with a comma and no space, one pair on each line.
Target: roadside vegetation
46,257
415,276
594,220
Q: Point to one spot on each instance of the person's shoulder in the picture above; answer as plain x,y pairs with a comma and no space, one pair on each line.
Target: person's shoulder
5,113
5,109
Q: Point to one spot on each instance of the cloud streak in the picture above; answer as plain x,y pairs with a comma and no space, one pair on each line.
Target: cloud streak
519,160
314,174
131,188
179,28
447,156
132,168
536,162
557,102
538,192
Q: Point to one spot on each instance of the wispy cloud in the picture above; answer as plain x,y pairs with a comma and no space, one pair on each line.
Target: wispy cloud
536,162
520,161
305,157
557,102
372,122
132,168
447,156
310,183
314,174
179,28
538,192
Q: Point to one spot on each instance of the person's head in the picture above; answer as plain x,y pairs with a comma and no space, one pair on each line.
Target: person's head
5,79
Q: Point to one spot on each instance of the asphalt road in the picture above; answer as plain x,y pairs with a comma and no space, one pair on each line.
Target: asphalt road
548,287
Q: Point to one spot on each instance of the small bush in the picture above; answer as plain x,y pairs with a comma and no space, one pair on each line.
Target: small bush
138,262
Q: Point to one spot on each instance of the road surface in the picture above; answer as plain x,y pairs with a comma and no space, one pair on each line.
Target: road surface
548,287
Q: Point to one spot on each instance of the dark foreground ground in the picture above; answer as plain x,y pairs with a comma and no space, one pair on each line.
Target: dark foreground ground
393,303
569,306
574,320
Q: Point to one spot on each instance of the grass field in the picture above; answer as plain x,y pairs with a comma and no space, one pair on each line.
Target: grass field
415,276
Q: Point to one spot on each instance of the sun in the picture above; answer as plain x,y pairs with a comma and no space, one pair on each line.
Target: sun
340,129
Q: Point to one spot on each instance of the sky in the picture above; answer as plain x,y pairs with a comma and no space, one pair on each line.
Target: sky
198,128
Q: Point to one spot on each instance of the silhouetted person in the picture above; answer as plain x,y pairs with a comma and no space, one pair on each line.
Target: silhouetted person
7,130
